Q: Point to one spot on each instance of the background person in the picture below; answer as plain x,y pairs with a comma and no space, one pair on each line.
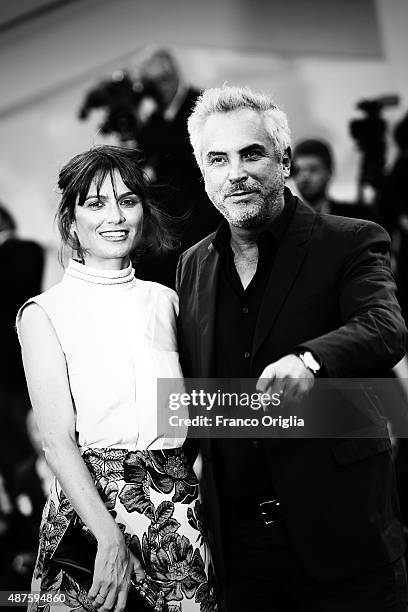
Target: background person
105,338
163,137
32,481
312,172
393,206
21,273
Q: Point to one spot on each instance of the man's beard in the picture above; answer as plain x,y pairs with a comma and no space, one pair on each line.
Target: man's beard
261,209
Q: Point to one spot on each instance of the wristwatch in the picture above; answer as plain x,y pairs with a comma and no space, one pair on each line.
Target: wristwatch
310,362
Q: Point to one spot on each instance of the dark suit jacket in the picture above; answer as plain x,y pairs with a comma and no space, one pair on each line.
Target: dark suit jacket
354,211
330,290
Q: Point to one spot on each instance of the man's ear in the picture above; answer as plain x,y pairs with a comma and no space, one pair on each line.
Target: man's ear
287,162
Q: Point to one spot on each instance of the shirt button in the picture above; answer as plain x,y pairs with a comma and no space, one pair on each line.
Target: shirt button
245,310
247,354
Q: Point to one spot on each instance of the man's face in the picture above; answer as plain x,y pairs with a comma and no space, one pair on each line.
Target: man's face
244,177
312,177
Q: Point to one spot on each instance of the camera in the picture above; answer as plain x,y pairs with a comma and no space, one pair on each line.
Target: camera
119,96
369,134
371,130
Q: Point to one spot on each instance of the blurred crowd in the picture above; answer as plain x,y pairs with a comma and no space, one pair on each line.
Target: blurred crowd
156,125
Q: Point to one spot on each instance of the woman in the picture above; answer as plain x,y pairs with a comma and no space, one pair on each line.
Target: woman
93,348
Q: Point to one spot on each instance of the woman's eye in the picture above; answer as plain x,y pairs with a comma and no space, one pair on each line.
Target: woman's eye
129,202
94,204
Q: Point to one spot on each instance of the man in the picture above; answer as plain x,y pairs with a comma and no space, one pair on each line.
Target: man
164,139
312,171
284,294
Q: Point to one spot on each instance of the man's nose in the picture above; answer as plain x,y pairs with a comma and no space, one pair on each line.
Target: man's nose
115,213
237,172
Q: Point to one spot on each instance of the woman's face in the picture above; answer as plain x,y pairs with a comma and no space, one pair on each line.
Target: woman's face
109,224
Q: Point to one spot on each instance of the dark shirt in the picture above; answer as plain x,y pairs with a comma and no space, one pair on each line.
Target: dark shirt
237,308
240,467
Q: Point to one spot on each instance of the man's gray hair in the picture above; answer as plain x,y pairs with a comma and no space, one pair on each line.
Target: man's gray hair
225,99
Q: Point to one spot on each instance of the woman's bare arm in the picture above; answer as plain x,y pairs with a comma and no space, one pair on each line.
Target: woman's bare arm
47,381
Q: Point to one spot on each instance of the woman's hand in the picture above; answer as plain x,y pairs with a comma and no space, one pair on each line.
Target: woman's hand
114,568
51,399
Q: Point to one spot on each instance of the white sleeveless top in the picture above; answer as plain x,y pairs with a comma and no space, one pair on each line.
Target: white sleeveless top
118,334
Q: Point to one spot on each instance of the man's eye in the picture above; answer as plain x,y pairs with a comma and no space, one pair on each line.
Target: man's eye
252,155
216,160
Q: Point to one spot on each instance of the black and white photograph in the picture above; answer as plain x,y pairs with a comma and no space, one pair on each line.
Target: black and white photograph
204,306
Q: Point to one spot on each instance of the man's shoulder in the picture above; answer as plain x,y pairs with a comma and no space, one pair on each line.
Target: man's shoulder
198,250
352,209
329,225
341,225
189,262
337,234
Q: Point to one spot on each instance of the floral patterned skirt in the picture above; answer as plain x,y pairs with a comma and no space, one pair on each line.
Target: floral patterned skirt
154,498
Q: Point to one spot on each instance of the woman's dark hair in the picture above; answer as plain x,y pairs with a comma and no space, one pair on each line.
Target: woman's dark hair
74,182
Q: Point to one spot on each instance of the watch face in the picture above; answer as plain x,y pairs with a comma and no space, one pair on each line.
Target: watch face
310,362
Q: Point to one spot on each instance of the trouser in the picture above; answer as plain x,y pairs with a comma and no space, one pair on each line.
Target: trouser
266,575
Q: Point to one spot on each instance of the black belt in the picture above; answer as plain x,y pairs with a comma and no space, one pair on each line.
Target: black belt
264,508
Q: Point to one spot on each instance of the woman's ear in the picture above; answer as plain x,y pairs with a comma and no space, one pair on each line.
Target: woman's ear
75,244
73,234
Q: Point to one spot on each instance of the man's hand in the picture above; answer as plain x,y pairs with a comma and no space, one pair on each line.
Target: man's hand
287,376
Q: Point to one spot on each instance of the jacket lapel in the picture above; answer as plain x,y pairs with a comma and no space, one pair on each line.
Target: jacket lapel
285,268
207,290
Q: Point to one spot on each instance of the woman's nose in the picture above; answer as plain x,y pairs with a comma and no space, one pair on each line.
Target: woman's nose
115,213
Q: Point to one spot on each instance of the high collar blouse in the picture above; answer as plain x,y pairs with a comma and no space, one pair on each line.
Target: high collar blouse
118,335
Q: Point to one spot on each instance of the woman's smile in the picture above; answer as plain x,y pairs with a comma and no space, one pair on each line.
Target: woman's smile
115,235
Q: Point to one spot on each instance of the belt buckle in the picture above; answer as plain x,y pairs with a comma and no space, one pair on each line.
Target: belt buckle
268,508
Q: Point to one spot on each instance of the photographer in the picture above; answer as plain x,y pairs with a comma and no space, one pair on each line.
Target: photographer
164,139
147,108
393,206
